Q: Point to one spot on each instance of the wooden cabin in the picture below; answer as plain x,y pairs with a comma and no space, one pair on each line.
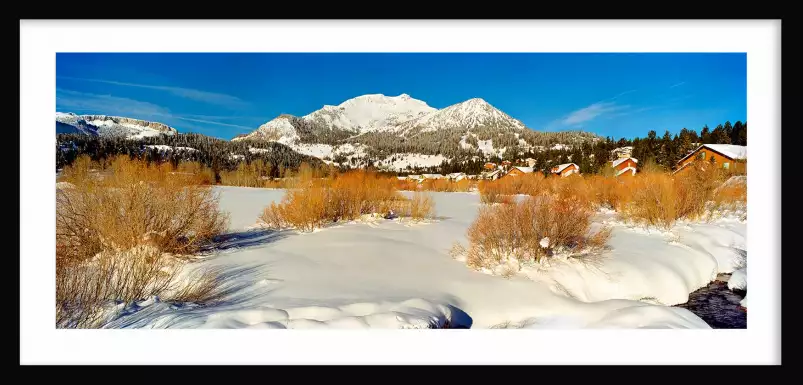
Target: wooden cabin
625,166
519,171
492,175
725,156
565,169
456,176
432,176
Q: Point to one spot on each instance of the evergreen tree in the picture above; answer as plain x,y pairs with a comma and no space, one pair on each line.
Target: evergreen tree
743,135
729,132
705,135
738,136
720,136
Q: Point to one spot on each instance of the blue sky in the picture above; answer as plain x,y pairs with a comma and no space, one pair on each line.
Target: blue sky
225,94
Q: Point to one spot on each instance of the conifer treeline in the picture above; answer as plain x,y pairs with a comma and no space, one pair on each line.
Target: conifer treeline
593,156
219,155
586,150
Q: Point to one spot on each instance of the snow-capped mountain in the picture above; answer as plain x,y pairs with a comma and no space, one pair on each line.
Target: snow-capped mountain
69,123
110,126
279,130
472,114
398,132
366,113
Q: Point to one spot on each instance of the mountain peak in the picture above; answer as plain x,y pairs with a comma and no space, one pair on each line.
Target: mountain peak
370,112
469,114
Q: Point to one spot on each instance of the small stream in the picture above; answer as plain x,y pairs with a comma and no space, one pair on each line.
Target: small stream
718,306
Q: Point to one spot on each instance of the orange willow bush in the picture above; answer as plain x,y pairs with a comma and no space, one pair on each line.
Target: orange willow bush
437,185
419,207
610,192
254,174
501,190
658,198
531,229
312,202
134,204
113,232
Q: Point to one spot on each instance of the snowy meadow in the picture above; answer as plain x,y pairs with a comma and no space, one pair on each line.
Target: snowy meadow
239,261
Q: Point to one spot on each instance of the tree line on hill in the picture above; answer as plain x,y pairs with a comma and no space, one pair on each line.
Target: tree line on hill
593,156
217,154
588,151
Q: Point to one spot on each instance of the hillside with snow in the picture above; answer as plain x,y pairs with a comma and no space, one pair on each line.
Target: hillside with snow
472,114
109,126
390,130
355,116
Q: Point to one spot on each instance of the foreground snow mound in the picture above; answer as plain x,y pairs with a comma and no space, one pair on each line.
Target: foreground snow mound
411,314
630,317
389,275
738,280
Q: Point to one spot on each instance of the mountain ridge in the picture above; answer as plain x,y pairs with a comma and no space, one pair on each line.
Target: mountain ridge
110,126
375,129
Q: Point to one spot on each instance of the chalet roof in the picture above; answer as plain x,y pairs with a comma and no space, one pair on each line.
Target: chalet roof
432,176
627,169
620,160
561,167
525,170
730,151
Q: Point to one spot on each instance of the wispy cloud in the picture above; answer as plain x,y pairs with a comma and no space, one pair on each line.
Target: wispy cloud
182,117
622,94
106,104
189,93
677,85
82,102
592,112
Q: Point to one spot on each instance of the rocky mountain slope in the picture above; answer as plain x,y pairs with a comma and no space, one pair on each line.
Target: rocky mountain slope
400,131
110,126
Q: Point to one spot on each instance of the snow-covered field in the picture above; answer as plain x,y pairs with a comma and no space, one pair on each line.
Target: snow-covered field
389,274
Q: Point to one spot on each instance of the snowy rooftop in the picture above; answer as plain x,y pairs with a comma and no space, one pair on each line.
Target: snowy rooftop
730,150
561,167
619,161
525,170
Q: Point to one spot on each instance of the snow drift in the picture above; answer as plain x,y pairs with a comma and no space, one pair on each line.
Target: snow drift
389,274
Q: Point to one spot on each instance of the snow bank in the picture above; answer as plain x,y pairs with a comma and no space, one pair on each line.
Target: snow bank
738,280
388,275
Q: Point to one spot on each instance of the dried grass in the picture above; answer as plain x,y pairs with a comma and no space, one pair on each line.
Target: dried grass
315,202
115,232
516,231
